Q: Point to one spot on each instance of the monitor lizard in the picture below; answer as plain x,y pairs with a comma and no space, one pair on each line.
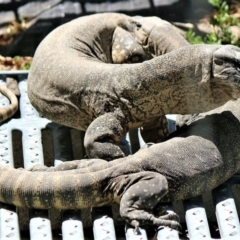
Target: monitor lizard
109,73
195,159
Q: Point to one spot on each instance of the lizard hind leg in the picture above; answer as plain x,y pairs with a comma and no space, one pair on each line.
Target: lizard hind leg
138,201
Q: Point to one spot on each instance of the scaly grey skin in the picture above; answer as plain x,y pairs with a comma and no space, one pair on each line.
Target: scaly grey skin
8,111
80,77
196,159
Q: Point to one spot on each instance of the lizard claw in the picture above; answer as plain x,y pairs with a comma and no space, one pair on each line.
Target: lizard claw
136,230
176,225
173,225
135,224
169,219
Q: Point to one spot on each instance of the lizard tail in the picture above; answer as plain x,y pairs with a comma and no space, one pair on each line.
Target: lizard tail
44,190
8,111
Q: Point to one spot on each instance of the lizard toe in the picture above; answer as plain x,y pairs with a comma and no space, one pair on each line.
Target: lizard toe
170,215
38,168
167,223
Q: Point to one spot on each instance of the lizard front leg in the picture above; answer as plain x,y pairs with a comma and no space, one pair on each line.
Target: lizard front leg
144,191
64,166
103,136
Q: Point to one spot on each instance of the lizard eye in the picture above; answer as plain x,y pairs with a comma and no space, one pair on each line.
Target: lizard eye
219,62
138,25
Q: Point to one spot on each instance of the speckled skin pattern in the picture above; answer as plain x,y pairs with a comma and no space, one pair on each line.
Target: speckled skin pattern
109,73
197,158
8,111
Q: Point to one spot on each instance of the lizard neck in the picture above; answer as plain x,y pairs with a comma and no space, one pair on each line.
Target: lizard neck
172,82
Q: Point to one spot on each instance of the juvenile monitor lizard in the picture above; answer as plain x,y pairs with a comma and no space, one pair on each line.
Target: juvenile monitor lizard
109,73
196,158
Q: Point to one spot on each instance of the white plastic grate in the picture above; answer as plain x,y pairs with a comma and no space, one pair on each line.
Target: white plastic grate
71,226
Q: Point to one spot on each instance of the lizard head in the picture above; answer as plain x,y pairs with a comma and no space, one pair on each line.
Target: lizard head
143,38
155,35
132,43
226,70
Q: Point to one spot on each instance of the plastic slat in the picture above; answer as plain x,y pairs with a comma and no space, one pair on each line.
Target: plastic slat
227,218
166,232
9,226
6,150
31,124
103,228
3,100
27,110
197,224
40,228
72,230
72,227
14,72
103,224
226,213
131,234
32,147
62,143
196,219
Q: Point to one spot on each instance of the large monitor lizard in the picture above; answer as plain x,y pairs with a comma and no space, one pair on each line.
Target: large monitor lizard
80,77
8,111
197,158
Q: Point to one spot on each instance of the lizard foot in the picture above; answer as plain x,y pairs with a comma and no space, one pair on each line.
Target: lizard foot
158,222
143,192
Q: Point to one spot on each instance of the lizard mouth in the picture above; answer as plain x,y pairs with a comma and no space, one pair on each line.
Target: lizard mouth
229,77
